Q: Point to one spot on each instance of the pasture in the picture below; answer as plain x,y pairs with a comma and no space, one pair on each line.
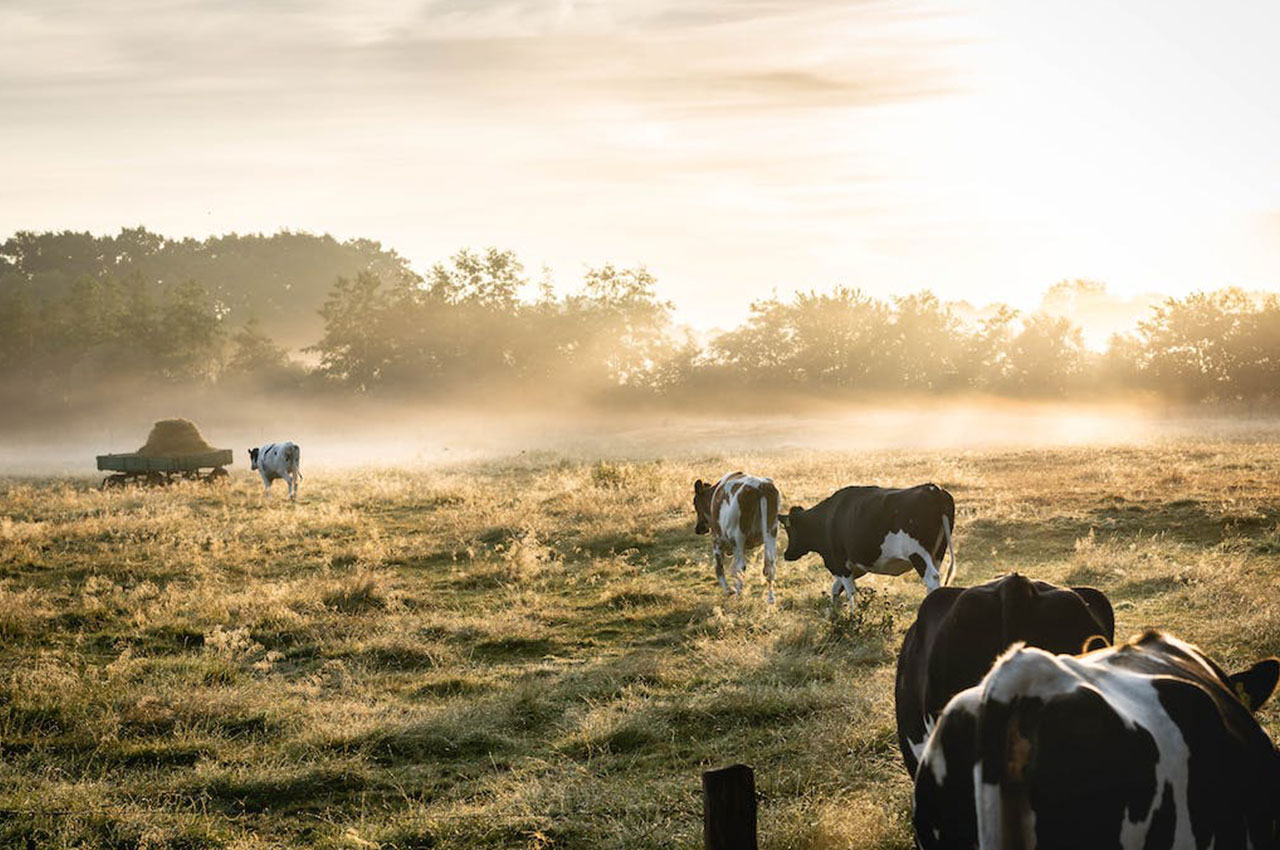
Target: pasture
532,651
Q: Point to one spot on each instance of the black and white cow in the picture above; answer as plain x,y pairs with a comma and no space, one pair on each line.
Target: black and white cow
741,512
1145,746
959,632
277,460
860,530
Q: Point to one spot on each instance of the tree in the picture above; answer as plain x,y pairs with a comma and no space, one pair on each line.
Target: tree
353,348
1046,356
1187,345
254,355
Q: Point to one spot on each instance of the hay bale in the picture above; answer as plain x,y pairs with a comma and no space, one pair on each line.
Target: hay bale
175,437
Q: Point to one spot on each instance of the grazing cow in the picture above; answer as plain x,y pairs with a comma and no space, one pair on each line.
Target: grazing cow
277,460
1144,746
741,513
860,530
959,632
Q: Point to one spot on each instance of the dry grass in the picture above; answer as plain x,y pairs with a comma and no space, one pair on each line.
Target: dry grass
533,653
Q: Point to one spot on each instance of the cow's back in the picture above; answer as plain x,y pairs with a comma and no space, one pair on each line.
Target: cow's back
858,518
743,500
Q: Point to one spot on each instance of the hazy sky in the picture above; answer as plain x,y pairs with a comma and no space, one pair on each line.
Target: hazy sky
984,150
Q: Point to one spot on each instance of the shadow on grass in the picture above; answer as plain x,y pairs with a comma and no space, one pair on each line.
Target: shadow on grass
1183,521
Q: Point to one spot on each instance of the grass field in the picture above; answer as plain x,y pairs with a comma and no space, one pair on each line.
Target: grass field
532,652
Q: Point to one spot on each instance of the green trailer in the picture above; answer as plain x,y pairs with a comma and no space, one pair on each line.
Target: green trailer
158,470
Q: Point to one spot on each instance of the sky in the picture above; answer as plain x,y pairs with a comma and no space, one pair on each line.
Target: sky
983,149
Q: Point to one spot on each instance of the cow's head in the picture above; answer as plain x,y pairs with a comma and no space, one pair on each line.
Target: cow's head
253,458
795,521
702,506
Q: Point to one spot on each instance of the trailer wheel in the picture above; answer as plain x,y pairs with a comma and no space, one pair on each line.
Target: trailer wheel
114,482
218,475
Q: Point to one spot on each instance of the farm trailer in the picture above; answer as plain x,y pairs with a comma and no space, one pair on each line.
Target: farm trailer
133,468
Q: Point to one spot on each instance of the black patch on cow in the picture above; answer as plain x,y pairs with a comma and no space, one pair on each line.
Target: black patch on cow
1163,823
947,808
1234,778
1073,762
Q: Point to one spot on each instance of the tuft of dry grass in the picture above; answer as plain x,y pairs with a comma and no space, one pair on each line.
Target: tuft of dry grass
533,652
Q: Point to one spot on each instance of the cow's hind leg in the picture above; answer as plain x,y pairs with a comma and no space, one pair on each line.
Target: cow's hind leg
293,486
717,553
739,563
770,562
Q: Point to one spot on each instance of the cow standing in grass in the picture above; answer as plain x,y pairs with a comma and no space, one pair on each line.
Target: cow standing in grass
882,530
277,460
740,512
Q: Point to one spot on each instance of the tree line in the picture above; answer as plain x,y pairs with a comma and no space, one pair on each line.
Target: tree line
303,313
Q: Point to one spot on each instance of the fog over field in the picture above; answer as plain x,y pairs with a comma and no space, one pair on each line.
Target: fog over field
363,433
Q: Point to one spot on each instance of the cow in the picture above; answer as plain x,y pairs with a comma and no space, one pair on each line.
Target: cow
860,530
1145,745
277,460
959,632
740,512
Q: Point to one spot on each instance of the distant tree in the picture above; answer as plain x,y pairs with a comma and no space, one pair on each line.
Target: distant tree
983,361
282,279
353,349
492,279
190,333
924,343
254,355
622,323
1045,357
762,349
1254,352
1187,345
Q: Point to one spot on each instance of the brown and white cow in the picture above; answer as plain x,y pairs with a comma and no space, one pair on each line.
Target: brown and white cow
741,512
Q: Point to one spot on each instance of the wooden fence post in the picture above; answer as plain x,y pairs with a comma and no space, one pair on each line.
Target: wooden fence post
729,808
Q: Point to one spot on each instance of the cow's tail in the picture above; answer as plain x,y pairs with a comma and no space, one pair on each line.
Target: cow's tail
951,547
1006,752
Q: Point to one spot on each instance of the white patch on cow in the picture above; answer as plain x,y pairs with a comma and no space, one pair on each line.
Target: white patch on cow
931,755
1024,671
917,748
895,559
769,533
836,586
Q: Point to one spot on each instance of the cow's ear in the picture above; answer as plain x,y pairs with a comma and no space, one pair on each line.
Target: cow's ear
1095,643
698,485
1100,607
785,521
1253,687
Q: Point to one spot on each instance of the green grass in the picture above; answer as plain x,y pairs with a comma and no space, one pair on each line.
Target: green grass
533,652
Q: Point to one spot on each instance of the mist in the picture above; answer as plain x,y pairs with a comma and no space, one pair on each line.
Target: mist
346,433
